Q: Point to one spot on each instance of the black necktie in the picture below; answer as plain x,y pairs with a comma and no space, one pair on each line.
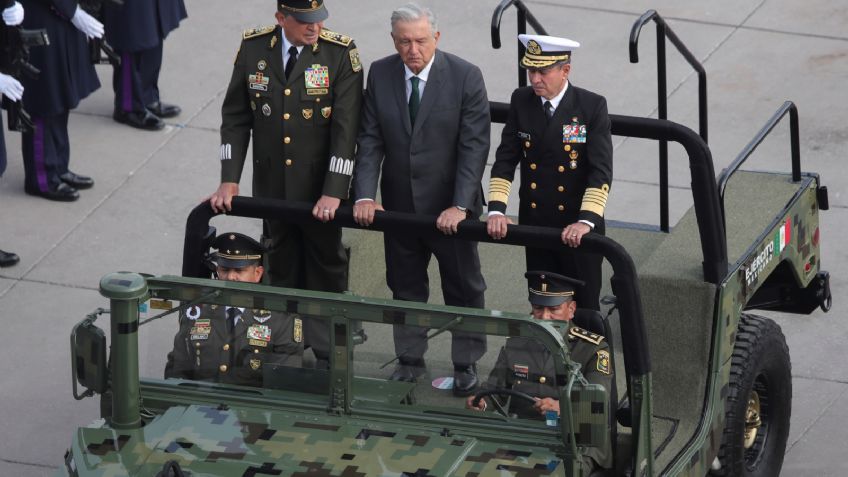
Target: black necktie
414,99
291,62
549,109
232,314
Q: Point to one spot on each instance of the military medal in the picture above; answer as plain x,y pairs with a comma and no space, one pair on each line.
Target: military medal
573,163
258,81
255,364
317,76
574,133
266,109
521,371
193,313
307,114
261,315
261,65
326,111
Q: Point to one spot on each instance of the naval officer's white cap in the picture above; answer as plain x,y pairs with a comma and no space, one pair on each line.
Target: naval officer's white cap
542,51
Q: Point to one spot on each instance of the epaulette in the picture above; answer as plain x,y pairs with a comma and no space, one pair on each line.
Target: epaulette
254,32
337,38
578,332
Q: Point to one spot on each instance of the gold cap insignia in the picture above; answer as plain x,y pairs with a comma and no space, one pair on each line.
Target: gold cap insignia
534,48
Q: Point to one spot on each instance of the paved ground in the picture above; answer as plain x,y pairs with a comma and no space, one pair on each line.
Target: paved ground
757,54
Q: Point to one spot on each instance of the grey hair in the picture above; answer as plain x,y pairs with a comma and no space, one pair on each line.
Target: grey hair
412,12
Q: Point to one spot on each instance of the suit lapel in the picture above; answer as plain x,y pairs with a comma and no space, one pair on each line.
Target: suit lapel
276,59
431,90
399,85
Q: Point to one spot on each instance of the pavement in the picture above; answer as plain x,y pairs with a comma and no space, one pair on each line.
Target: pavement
757,54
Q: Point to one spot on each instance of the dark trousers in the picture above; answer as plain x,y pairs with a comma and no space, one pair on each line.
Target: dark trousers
574,264
407,258
46,150
136,80
2,148
310,257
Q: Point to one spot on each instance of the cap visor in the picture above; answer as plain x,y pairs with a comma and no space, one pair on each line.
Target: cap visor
235,263
540,300
315,16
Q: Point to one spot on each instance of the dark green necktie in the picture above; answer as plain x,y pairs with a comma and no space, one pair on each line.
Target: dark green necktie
414,99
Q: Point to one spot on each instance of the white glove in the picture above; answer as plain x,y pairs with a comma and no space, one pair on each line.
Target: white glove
13,15
11,88
87,24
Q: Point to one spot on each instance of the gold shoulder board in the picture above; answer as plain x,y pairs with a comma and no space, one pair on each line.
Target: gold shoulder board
593,338
255,32
337,38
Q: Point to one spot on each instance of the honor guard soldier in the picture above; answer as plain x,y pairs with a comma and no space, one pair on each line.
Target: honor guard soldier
13,14
560,136
230,344
298,88
525,365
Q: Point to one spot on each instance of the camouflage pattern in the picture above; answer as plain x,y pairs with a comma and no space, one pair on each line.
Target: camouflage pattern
788,240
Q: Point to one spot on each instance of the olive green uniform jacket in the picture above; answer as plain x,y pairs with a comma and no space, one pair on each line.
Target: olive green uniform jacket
205,350
525,365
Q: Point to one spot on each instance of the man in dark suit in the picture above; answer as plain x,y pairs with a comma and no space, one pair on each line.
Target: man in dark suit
560,134
297,87
136,30
67,76
426,122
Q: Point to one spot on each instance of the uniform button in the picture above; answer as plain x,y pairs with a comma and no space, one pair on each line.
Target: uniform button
561,189
317,100
222,368
561,168
518,382
256,351
527,144
542,379
561,207
287,92
533,166
288,162
198,352
287,140
533,185
567,147
197,345
532,205
226,347
257,95
286,116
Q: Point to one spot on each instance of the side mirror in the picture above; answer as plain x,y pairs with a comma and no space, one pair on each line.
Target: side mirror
89,367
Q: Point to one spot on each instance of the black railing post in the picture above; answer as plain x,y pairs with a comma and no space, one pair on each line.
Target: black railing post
522,28
662,113
794,137
523,17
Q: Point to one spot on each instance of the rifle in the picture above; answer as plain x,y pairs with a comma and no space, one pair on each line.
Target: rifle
101,52
15,43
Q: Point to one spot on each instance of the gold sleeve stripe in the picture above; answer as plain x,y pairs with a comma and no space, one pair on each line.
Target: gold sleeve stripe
595,200
499,190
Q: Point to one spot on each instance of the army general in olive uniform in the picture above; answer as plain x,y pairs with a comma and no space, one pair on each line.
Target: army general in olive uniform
297,88
560,135
229,344
525,365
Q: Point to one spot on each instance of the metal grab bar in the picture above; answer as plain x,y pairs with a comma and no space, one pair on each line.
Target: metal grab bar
663,32
524,17
795,144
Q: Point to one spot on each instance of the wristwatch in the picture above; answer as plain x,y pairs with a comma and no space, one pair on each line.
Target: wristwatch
461,208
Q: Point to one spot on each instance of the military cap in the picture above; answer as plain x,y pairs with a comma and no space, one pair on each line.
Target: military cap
542,51
304,11
237,250
550,289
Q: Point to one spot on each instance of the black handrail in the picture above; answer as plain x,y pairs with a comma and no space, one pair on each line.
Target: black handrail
708,208
663,32
624,281
795,144
524,16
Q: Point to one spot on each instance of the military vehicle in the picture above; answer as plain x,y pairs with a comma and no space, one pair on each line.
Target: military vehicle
703,386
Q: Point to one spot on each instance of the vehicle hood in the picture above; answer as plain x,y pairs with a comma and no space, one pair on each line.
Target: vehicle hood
221,441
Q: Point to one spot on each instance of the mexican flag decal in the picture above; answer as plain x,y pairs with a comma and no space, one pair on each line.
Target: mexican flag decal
782,236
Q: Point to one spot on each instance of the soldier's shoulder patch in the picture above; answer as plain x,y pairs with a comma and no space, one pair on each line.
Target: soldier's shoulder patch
603,364
355,62
335,37
258,31
585,335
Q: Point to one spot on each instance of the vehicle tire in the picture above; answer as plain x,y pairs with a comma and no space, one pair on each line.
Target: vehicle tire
759,398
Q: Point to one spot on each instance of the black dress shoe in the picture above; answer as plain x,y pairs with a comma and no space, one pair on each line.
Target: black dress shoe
464,380
408,371
141,120
164,110
7,259
77,181
62,192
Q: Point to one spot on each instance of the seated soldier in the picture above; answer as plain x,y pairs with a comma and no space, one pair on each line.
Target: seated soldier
230,344
525,365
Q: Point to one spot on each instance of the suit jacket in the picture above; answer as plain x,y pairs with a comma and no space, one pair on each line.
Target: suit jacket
437,164
205,350
141,24
67,75
304,127
566,161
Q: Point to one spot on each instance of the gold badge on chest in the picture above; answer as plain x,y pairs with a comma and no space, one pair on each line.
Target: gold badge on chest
307,113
